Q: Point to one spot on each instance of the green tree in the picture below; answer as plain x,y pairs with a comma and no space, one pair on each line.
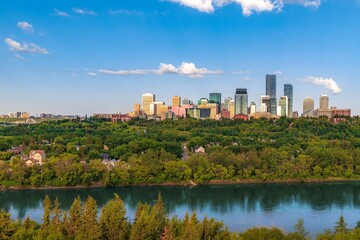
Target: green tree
340,226
113,221
89,227
7,226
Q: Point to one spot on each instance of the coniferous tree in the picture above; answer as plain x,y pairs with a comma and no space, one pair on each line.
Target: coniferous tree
158,218
7,227
140,229
340,226
56,219
75,218
191,228
113,221
89,228
47,211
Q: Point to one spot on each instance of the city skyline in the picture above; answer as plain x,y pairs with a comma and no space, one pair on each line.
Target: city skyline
85,57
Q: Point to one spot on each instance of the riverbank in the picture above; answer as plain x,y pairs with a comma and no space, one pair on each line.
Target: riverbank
190,183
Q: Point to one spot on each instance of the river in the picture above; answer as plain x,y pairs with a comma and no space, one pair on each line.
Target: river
238,206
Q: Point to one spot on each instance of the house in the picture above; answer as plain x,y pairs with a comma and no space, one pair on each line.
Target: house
200,150
105,156
17,150
109,163
37,156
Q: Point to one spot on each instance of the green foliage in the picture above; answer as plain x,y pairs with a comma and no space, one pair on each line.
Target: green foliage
113,223
149,152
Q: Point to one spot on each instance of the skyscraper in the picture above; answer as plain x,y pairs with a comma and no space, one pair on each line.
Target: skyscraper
231,108
265,103
241,101
288,91
284,104
176,101
215,98
252,108
308,104
137,109
147,99
227,101
324,102
271,91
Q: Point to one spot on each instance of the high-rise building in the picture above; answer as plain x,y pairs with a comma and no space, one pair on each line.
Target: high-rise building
324,102
241,101
265,99
226,101
288,91
147,99
284,104
155,108
252,109
176,101
215,98
308,104
231,108
137,109
271,91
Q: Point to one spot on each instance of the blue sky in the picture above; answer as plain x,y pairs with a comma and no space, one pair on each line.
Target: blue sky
87,56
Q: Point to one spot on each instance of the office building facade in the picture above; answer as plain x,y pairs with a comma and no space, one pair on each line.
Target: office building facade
176,101
288,92
241,101
271,91
308,105
324,102
147,100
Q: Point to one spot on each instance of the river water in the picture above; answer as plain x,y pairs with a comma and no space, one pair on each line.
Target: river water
238,206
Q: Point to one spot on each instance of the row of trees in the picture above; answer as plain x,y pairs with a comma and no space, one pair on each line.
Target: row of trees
151,222
160,166
150,151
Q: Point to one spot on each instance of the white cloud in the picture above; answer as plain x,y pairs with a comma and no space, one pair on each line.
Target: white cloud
25,26
248,6
92,74
24,47
60,13
185,68
124,12
328,83
84,11
305,3
278,72
18,56
124,72
201,5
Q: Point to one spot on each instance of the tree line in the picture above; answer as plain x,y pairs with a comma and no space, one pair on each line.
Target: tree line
150,222
151,152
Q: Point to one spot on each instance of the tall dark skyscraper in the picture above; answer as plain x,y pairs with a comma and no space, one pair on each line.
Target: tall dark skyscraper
215,98
288,91
241,101
271,91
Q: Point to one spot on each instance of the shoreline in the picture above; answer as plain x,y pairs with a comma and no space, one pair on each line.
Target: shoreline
190,184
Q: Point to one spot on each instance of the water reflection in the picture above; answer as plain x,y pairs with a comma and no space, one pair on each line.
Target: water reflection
253,199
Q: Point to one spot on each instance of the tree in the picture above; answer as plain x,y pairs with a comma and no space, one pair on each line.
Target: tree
75,218
139,228
89,227
47,211
340,226
113,222
7,227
